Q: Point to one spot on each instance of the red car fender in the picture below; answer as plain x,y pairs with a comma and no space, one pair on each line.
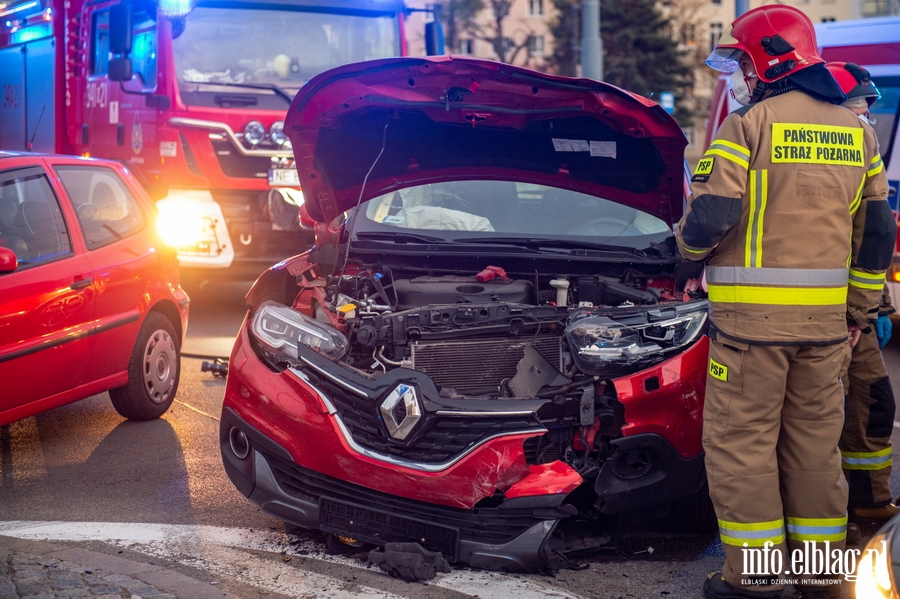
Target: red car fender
674,409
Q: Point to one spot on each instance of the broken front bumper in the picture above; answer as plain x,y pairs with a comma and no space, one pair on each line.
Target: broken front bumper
512,537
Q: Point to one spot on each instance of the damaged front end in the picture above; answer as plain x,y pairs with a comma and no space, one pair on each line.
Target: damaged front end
497,431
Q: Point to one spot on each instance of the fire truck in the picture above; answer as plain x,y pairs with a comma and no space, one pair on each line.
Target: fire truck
191,95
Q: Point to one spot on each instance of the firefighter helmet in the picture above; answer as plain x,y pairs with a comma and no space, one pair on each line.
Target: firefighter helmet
854,81
779,40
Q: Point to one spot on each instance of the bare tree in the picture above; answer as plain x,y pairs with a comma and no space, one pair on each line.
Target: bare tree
466,19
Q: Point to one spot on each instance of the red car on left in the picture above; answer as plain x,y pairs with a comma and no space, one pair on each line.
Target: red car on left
90,298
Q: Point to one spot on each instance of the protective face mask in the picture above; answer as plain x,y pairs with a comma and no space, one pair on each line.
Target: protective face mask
739,88
866,119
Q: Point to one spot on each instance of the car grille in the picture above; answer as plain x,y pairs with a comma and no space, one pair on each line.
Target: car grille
439,523
442,439
478,363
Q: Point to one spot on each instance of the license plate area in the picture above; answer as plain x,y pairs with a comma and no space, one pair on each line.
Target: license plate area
375,526
284,177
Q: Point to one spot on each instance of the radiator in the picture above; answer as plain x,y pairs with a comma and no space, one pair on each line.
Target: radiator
476,363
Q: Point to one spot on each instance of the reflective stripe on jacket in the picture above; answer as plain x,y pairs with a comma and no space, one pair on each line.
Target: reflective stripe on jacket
789,207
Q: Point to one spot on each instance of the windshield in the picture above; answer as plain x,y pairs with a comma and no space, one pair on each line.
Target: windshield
265,48
505,210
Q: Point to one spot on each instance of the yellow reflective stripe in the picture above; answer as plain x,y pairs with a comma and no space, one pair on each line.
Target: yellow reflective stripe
730,144
875,165
867,460
866,280
859,192
778,296
728,156
754,534
763,198
817,529
692,250
751,220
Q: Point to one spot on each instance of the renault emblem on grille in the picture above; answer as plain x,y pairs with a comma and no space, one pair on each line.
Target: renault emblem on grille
401,411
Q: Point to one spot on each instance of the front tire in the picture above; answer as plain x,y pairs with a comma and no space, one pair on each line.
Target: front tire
153,371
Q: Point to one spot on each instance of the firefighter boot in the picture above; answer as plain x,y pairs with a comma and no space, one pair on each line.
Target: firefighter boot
715,587
882,514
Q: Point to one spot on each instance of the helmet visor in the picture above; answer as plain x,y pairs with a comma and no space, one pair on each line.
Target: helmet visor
724,57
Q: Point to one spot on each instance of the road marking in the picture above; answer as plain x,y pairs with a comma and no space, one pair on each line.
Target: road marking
226,552
201,412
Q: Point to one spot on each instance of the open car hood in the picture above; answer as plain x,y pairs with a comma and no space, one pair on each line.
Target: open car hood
364,129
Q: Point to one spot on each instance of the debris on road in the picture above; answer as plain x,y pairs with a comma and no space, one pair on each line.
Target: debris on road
409,561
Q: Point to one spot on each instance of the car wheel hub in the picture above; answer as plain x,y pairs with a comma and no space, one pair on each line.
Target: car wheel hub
158,372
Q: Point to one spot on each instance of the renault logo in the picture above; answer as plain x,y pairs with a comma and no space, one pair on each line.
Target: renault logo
401,411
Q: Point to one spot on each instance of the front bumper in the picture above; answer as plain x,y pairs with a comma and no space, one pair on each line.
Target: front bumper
312,458
513,537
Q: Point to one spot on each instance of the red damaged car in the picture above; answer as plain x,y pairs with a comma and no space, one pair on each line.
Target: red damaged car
489,349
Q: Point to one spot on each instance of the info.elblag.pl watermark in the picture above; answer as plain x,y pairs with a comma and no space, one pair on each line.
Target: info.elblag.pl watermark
763,566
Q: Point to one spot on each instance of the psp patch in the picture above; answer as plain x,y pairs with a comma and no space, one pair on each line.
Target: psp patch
704,169
718,371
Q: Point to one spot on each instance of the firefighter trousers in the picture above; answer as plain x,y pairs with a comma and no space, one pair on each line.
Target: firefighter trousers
771,423
866,439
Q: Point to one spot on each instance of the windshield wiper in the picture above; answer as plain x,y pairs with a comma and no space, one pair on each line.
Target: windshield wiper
537,242
404,237
268,86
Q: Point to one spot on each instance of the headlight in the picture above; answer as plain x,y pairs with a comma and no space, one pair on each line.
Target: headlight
281,329
254,133
278,136
187,217
599,342
873,573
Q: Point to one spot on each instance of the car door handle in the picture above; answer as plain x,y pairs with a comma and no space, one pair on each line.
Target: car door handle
81,284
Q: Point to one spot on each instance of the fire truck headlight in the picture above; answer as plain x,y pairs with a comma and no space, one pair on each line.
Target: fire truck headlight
278,136
254,133
187,218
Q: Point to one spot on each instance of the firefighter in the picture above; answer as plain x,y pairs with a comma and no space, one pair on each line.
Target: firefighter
788,209
865,445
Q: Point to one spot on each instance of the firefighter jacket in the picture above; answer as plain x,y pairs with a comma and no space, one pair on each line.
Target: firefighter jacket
788,206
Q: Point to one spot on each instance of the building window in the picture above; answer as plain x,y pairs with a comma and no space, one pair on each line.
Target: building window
715,32
535,8
828,19
689,35
536,45
717,2
466,47
876,8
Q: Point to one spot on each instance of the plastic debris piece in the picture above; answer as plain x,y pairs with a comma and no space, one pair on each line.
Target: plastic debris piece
409,561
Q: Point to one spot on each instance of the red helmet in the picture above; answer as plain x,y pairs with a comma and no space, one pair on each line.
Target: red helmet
854,80
779,39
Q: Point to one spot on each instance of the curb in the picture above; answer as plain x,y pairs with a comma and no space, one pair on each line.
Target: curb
162,580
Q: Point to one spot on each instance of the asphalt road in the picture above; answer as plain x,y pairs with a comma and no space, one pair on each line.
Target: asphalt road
82,474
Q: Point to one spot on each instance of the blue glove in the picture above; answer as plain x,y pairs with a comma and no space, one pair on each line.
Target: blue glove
883,328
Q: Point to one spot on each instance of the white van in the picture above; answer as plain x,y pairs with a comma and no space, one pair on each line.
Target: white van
874,44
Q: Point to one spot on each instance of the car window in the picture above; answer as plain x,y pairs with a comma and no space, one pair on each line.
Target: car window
105,207
31,223
513,208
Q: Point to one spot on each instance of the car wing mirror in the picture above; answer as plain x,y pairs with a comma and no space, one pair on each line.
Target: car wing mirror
8,260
